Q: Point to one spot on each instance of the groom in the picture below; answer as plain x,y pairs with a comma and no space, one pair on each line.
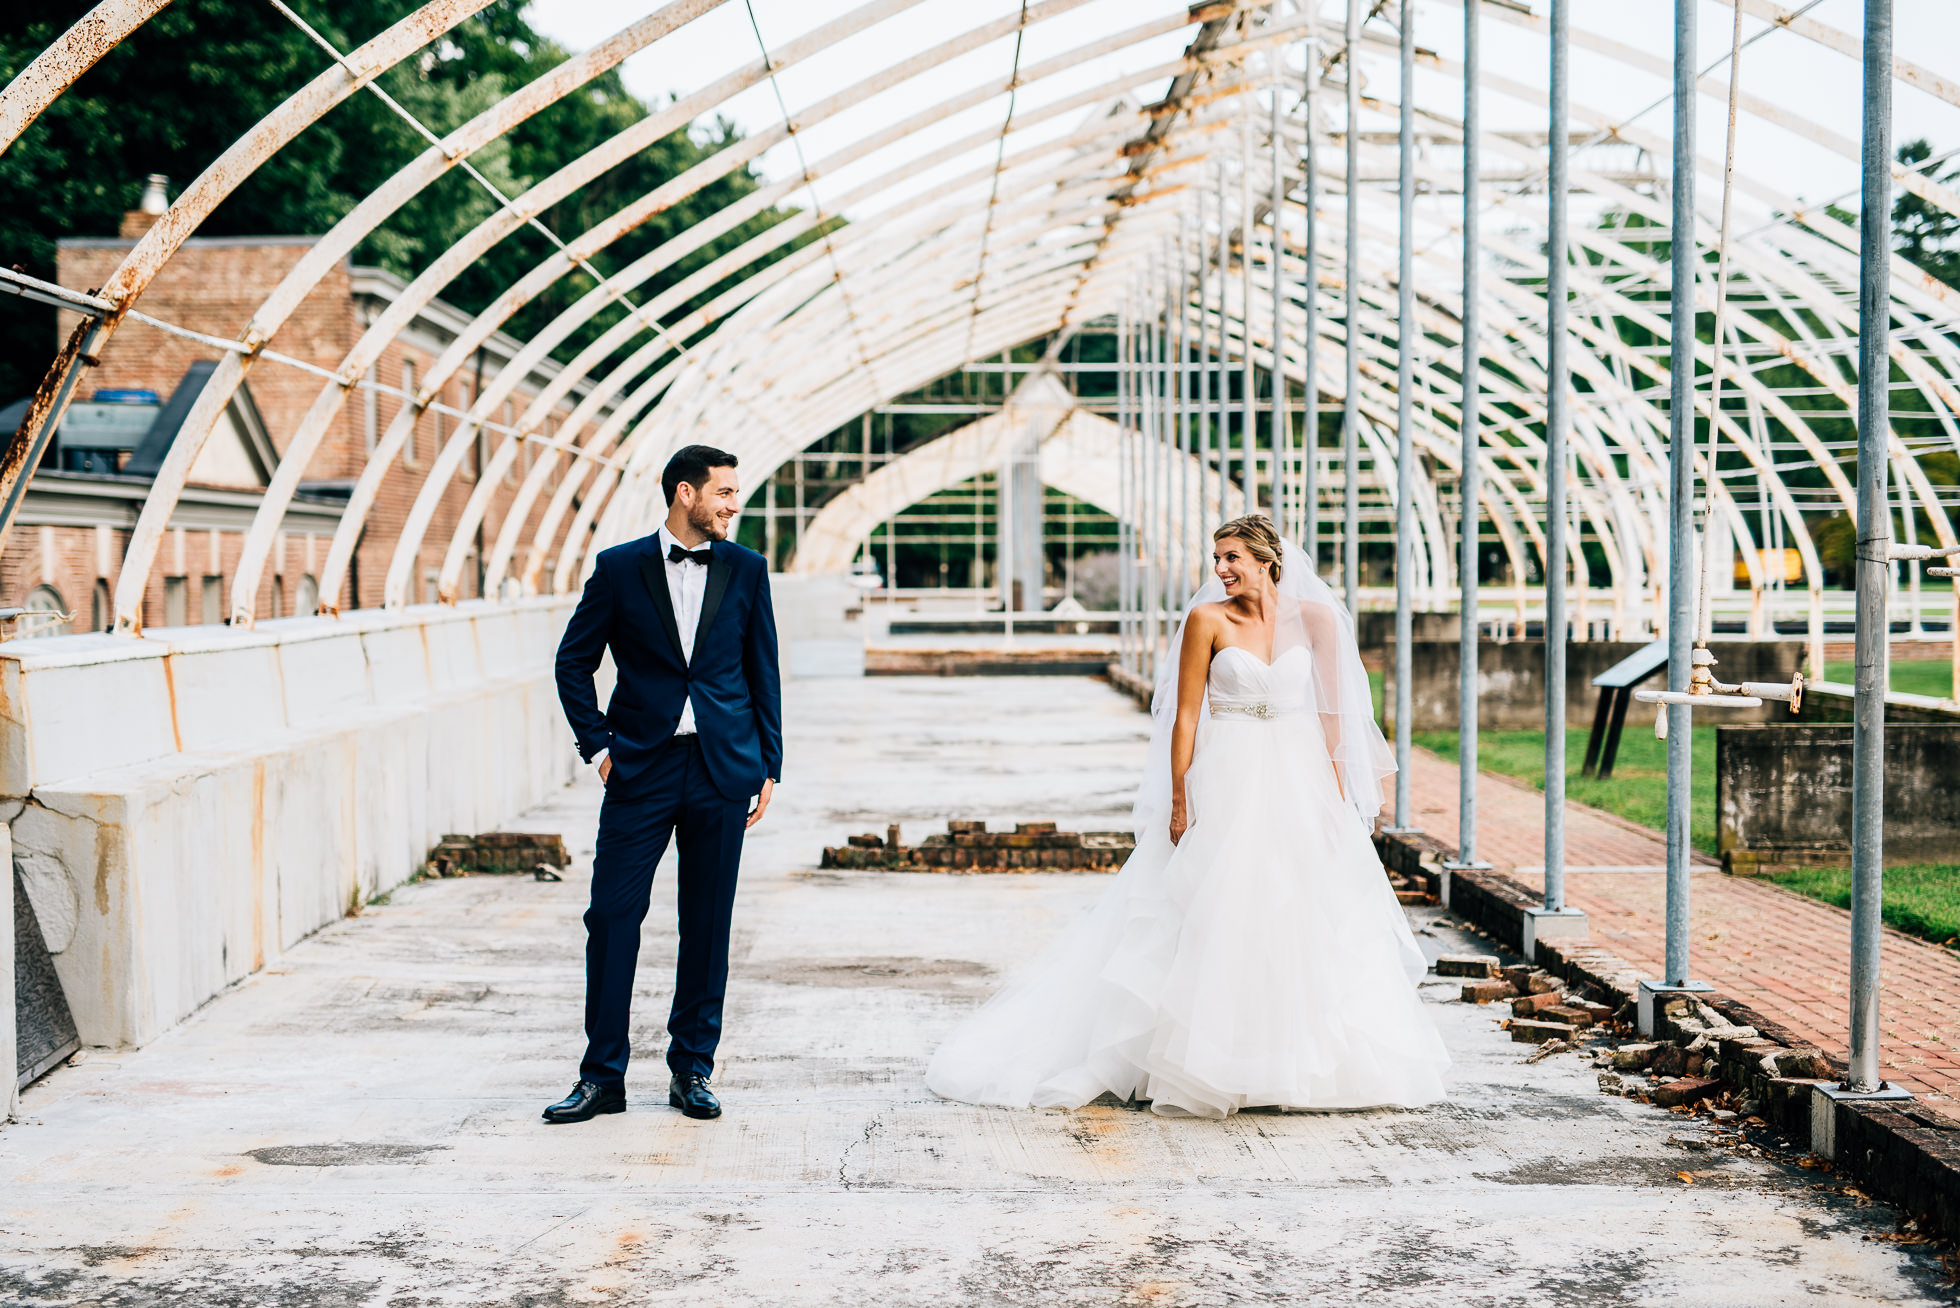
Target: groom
692,734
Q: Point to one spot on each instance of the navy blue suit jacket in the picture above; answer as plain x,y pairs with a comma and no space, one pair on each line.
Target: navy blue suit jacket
734,676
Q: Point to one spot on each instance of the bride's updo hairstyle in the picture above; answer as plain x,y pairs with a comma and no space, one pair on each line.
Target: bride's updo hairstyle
1261,538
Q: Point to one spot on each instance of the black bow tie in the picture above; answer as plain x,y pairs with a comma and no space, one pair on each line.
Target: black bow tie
675,554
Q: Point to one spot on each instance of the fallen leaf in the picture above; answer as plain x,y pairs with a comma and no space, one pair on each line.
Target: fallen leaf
1687,1178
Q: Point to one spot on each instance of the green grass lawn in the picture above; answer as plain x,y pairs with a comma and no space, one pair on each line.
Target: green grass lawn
1637,789
1920,900
1909,676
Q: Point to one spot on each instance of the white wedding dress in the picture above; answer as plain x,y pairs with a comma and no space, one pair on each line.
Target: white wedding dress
1261,961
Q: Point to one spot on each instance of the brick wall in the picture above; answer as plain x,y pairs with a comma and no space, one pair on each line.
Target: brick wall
214,286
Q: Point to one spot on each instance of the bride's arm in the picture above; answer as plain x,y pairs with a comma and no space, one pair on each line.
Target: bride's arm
1194,664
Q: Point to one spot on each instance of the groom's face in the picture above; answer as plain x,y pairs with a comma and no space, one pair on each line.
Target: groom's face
715,504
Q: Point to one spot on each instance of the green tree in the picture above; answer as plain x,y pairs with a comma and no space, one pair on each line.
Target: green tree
1923,232
199,74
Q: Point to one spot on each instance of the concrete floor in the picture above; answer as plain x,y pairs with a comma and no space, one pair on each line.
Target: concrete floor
358,1125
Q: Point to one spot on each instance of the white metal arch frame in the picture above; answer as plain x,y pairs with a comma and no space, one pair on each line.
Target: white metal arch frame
791,349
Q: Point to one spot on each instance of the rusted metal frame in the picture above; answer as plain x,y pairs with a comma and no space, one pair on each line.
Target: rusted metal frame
832,105
506,541
348,532
182,218
1000,154
332,248
864,232
58,67
548,523
551,190
619,511
1849,45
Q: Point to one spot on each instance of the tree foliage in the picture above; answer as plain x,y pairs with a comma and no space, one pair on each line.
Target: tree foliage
188,83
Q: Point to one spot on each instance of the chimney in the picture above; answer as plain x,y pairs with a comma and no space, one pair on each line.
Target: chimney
140,219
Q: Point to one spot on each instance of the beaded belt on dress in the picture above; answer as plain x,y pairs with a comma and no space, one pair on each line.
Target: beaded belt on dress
1244,708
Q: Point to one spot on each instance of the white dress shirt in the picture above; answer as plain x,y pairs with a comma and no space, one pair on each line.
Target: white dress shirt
686,584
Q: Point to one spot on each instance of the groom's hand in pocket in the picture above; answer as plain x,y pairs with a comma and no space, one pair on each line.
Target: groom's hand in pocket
605,770
761,803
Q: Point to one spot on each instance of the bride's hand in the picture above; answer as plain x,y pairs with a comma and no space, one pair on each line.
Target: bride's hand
1178,822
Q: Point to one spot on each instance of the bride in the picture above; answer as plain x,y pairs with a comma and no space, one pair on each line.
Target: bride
1250,953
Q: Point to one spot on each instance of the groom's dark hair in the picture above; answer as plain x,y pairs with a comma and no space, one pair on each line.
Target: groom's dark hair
692,464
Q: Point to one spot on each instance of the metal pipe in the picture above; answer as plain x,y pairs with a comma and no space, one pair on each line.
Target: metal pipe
1126,516
1556,421
1467,481
1351,401
1874,542
1310,292
1685,261
1280,435
1224,376
1405,444
1202,403
1180,300
1248,388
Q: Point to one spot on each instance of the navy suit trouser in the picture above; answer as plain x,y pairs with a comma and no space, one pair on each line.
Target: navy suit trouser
670,798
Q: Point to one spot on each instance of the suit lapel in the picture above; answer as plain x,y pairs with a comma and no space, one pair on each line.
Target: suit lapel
653,569
718,569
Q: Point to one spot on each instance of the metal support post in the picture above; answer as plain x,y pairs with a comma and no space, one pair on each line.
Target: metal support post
1248,388
1555,918
1201,397
1874,549
1469,474
1310,340
1180,301
1405,449
1126,473
1224,383
1685,267
1280,437
1351,392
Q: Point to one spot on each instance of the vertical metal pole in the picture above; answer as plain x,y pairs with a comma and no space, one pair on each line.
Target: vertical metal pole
1555,431
1166,440
1874,545
1467,482
1125,527
1147,518
1202,404
1310,420
1685,261
1405,446
1181,416
1351,403
1281,438
1248,387
1224,358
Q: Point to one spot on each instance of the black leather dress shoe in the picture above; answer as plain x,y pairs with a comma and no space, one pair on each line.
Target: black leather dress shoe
691,1095
587,1101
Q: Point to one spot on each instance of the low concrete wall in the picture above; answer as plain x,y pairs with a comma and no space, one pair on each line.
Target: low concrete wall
1783,795
188,805
1511,681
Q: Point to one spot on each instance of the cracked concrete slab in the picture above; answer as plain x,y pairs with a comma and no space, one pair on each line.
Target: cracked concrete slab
359,1124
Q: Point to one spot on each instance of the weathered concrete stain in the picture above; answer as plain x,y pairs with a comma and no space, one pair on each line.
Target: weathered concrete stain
359,1125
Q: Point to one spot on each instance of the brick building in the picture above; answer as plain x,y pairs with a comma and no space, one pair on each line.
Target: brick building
77,515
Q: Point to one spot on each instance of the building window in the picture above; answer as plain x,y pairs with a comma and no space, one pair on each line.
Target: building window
306,597
176,601
431,587
211,598
278,597
102,607
43,600
408,401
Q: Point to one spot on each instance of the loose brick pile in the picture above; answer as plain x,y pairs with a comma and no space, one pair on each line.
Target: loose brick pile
970,847
497,851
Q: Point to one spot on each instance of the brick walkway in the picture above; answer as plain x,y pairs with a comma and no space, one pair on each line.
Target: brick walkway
1786,956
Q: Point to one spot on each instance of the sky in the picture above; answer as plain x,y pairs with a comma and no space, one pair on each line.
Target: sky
1784,69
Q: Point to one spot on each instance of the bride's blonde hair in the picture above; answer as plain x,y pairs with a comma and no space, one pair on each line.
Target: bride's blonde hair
1260,536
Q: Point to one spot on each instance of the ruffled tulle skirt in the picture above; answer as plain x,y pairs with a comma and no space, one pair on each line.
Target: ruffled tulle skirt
1261,961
